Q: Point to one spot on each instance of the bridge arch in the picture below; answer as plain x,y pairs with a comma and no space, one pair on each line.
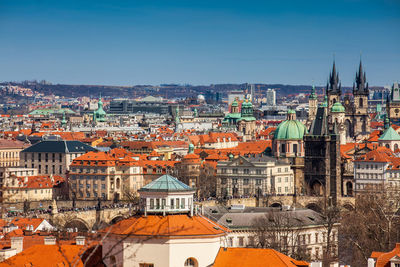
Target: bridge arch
276,205
78,223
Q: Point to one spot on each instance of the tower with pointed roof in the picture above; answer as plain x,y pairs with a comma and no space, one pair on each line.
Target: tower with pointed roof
247,122
64,120
312,105
333,87
360,117
393,104
322,172
99,115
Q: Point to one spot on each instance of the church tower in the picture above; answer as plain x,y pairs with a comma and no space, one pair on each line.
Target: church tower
312,106
333,87
360,94
322,173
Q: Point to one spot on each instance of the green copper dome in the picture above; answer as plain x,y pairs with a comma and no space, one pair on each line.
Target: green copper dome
291,111
337,107
290,130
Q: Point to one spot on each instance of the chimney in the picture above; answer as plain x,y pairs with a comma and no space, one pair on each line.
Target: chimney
17,242
49,240
80,240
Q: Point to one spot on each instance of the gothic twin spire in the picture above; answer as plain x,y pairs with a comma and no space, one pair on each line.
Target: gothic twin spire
361,85
334,86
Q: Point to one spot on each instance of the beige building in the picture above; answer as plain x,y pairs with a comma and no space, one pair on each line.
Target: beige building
53,157
9,152
32,188
300,230
250,176
99,175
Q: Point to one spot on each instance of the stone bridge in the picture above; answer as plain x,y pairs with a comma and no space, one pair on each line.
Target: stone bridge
314,203
87,220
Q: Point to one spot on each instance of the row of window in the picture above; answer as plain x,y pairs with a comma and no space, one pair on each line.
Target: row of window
46,168
95,195
89,177
160,203
95,186
369,166
7,155
304,239
41,191
369,176
44,156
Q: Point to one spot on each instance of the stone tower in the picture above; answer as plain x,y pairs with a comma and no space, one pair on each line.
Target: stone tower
393,104
312,106
322,173
360,93
247,122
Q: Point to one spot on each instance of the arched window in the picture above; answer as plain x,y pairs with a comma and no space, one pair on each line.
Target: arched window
118,183
295,148
396,146
387,145
191,262
360,101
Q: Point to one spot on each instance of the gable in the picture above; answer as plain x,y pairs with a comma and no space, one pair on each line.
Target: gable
240,162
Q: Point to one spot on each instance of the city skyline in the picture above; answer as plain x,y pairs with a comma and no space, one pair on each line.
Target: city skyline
199,43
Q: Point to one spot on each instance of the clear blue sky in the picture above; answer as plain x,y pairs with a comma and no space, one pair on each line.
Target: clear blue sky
198,42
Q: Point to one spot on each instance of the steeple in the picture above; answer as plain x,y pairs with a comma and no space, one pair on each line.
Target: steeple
333,86
313,95
177,120
64,120
361,85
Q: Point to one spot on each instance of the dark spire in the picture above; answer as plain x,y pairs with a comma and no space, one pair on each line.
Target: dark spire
333,82
361,84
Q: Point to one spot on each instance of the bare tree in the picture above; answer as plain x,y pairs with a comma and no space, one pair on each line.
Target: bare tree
331,217
278,230
374,225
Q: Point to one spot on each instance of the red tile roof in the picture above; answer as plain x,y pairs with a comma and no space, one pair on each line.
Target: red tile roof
382,259
167,226
254,257
47,255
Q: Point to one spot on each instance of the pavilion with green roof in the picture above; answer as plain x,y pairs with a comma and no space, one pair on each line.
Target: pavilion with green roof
166,195
390,139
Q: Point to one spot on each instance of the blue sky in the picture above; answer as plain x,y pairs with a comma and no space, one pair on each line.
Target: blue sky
198,42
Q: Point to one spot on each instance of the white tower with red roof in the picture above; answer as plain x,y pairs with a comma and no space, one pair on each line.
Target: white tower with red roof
167,233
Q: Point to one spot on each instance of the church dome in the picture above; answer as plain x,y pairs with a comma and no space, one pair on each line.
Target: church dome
337,107
290,130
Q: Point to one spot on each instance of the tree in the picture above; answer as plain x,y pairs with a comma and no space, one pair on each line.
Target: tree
278,230
331,217
374,225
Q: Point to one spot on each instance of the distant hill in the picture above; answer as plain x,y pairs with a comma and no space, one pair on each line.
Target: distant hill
165,90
